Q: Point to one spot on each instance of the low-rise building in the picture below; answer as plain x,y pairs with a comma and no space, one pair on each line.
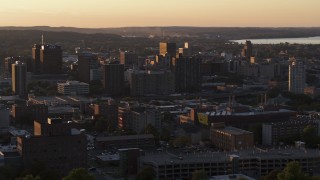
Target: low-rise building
252,162
230,138
273,133
129,141
73,88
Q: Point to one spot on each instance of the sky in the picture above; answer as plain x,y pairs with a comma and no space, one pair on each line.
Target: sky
124,13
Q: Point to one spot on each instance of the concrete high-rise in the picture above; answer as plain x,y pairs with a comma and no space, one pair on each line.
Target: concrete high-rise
128,58
19,78
86,62
297,76
113,78
167,48
187,74
247,50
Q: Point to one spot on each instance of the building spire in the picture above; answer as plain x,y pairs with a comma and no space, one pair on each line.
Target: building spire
42,39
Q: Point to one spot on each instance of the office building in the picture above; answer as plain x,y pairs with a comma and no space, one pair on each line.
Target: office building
73,88
151,83
36,64
186,50
59,146
141,118
187,74
38,112
247,50
46,59
297,76
109,111
113,79
86,62
167,48
129,59
230,138
274,133
128,161
19,79
4,119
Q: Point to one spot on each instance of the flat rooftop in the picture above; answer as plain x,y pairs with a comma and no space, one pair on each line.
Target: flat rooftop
120,138
163,158
234,130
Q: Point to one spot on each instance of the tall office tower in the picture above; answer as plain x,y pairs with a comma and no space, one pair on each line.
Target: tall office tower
187,74
186,50
297,76
247,50
129,59
86,62
51,59
167,48
6,65
113,78
36,65
19,79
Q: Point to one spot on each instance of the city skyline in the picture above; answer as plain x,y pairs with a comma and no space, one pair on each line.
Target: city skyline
126,13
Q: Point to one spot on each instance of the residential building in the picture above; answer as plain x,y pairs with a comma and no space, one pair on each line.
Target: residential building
59,146
151,83
187,74
297,76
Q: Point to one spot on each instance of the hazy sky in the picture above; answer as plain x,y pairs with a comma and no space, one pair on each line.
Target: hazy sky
120,13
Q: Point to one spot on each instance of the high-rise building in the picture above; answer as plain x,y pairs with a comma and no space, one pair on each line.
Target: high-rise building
51,59
47,59
247,50
151,82
297,76
167,48
187,74
86,62
36,65
129,59
113,78
19,78
108,110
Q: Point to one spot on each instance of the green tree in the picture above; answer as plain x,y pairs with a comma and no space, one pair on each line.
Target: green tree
31,177
272,175
78,174
146,173
292,172
309,136
199,175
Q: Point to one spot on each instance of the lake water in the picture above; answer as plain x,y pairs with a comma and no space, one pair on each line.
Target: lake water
307,40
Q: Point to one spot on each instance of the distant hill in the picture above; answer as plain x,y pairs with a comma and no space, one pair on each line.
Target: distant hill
227,33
